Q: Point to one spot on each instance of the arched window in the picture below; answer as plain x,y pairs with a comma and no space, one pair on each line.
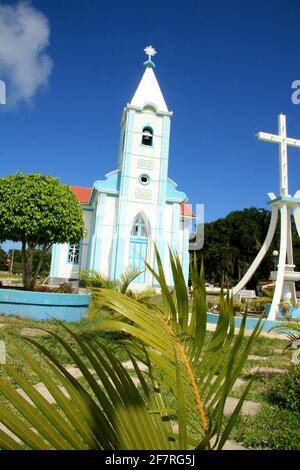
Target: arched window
74,253
147,136
138,246
139,227
149,109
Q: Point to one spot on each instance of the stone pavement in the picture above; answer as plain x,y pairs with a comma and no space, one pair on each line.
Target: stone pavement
265,370
232,445
32,332
253,357
249,408
212,327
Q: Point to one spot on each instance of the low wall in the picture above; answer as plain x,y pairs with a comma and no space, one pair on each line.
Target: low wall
250,322
294,313
43,305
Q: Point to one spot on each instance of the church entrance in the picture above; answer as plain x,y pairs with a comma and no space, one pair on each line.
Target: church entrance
138,247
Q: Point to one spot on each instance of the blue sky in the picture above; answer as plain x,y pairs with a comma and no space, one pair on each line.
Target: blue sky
225,69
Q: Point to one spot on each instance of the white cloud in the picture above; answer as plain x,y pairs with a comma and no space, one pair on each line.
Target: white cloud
24,65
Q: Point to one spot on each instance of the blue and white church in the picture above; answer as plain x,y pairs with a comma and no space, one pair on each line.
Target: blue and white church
136,205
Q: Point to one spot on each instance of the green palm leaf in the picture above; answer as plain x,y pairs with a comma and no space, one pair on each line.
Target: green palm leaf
113,415
106,409
177,344
291,329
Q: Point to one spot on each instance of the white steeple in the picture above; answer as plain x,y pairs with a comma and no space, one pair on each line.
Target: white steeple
148,90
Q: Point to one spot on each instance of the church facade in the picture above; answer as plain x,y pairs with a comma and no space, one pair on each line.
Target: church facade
137,204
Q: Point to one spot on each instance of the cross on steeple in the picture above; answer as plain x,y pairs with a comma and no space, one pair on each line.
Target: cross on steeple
283,142
150,52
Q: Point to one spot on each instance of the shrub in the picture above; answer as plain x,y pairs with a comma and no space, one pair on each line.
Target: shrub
42,288
238,307
286,309
213,307
278,429
64,288
259,304
285,391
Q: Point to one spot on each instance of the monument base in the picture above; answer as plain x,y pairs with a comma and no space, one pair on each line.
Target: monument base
290,277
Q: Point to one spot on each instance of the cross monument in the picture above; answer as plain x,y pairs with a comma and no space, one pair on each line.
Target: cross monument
286,275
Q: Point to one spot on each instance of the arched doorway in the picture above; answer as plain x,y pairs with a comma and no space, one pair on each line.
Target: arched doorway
138,246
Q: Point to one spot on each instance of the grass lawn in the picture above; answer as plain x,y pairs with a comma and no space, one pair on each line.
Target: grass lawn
10,276
271,427
13,339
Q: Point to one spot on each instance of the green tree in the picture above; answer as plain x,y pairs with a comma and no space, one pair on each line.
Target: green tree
232,243
3,260
17,261
38,211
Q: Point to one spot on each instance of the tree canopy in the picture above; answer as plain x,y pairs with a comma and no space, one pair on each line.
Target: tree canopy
3,260
232,243
38,211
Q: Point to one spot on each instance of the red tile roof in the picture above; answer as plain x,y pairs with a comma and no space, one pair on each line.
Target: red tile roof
186,211
82,194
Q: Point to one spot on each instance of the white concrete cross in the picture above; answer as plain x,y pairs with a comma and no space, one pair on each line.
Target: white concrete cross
283,142
150,51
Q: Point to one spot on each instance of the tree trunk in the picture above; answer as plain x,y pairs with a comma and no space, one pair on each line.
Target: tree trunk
29,276
27,255
39,265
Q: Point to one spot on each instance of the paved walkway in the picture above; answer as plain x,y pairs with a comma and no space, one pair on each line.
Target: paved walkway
212,327
232,445
32,332
249,408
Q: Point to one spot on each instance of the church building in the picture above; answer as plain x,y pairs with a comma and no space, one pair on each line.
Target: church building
137,204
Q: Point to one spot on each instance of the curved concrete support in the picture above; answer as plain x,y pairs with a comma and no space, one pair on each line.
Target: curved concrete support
262,252
282,262
290,258
297,218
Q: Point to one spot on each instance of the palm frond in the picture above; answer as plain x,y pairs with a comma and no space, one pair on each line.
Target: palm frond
107,410
291,329
127,277
112,415
94,279
177,344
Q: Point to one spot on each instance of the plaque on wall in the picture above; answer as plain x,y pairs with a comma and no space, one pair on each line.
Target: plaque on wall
143,194
145,164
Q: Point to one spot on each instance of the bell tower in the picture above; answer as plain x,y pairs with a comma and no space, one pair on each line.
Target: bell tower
143,167
136,205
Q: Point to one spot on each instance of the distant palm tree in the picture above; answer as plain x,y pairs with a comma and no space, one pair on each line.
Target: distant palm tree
291,329
95,279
